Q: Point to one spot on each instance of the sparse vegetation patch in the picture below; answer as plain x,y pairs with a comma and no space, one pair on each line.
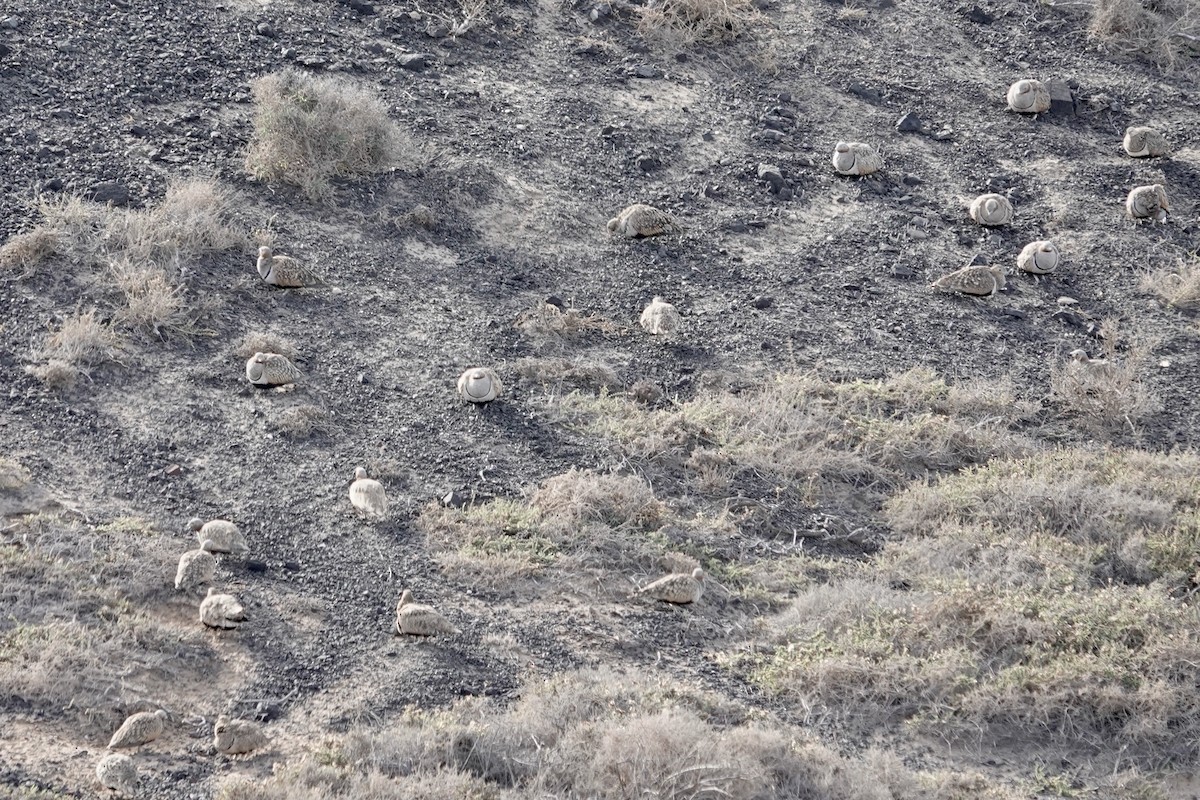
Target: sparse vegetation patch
1167,33
682,23
1042,599
309,130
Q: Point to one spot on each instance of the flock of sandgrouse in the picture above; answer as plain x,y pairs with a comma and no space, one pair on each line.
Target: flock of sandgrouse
221,611
481,385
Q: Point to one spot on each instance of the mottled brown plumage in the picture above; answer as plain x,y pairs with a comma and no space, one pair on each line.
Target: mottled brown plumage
856,158
1029,97
285,271
413,619
139,729
116,771
660,318
368,496
221,610
978,280
271,369
680,588
196,567
219,536
1143,142
991,210
480,385
1148,202
1038,257
233,737
639,221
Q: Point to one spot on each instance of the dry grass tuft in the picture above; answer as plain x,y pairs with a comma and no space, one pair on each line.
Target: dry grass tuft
151,302
1166,32
302,422
309,130
28,249
799,442
577,519
545,324
194,219
1106,393
1043,600
262,342
1177,287
1079,517
83,341
577,373
682,23
601,734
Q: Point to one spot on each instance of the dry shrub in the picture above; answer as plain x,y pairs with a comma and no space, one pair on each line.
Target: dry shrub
302,421
799,441
311,779
263,342
601,733
1107,672
83,341
27,249
151,302
1167,32
682,23
546,324
77,633
1177,287
1125,515
194,219
574,372
309,130
494,543
592,519
621,502
1104,394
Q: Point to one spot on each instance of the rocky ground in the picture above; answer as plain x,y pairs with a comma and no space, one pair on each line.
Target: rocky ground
529,131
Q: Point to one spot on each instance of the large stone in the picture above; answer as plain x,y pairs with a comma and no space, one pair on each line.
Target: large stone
1062,101
109,192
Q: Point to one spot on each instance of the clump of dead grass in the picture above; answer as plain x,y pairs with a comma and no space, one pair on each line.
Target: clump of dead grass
682,23
1104,672
1165,32
578,373
546,324
605,734
799,441
28,249
310,129
1104,394
83,341
194,219
1097,516
577,519
1177,287
264,342
1044,600
151,302
302,421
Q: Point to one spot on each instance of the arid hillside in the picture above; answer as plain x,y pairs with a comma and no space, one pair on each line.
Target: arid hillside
946,545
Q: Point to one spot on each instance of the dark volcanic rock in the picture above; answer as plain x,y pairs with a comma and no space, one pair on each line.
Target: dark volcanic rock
109,192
